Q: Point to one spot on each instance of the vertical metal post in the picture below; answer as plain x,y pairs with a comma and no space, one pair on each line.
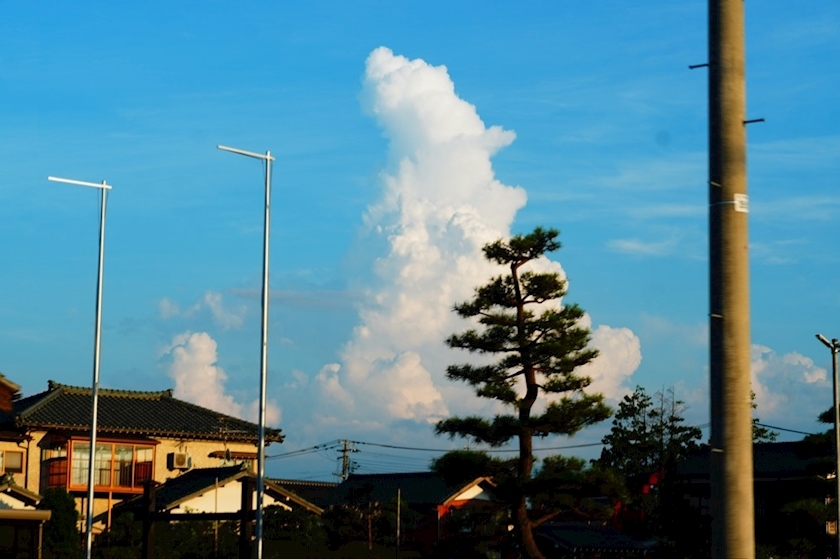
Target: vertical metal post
733,532
97,335
834,346
94,392
258,527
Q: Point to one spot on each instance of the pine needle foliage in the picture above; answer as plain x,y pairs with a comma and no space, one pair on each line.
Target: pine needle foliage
539,345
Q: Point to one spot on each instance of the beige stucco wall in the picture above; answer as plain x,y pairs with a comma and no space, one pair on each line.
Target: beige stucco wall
6,446
31,461
227,498
197,450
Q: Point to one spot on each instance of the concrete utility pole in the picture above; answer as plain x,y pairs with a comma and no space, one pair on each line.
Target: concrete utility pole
346,463
732,507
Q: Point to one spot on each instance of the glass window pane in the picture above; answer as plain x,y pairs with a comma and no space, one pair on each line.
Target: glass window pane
123,474
81,461
14,462
102,472
143,467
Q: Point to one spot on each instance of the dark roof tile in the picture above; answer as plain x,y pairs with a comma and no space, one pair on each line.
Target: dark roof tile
131,412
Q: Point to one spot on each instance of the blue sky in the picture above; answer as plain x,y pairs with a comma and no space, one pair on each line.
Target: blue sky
393,165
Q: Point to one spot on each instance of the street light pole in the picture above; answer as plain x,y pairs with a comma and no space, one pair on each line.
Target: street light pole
97,335
834,346
258,527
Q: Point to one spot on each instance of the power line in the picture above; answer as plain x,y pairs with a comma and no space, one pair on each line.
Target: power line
335,443
304,451
784,429
398,447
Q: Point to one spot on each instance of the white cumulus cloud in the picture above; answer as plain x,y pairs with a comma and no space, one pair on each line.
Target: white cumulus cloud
788,386
619,355
199,380
440,203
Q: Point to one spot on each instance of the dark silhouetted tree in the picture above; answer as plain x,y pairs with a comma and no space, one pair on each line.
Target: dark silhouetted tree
648,435
538,344
647,440
61,534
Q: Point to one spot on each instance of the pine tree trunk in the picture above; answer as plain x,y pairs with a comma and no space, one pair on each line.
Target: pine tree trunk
522,526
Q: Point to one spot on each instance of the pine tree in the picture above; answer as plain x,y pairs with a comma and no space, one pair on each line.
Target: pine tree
539,344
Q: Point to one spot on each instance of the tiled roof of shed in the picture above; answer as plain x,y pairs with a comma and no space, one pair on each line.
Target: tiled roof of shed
179,490
132,412
317,492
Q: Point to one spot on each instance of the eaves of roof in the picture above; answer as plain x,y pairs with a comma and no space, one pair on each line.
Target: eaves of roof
467,487
24,495
9,384
311,507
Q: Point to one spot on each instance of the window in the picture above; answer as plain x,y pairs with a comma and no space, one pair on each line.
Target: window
116,466
11,461
54,463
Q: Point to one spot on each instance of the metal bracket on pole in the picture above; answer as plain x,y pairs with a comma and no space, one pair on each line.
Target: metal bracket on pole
695,66
753,121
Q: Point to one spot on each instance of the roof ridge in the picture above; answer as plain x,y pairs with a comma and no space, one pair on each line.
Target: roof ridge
147,394
282,481
51,394
225,416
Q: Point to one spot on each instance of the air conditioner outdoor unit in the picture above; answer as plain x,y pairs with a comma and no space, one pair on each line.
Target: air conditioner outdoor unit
178,461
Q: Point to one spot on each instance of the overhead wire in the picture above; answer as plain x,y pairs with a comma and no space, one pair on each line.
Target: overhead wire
382,460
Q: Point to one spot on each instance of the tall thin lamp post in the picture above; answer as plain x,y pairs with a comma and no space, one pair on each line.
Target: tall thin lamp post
834,346
258,527
97,335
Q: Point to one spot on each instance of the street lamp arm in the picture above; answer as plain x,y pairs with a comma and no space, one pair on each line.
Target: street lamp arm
833,345
264,156
103,185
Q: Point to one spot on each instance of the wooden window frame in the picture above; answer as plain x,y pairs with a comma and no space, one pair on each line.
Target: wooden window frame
135,486
3,461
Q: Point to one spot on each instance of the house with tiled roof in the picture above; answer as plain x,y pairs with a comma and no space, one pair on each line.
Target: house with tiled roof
141,436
